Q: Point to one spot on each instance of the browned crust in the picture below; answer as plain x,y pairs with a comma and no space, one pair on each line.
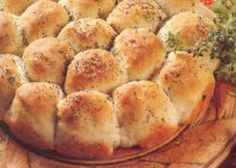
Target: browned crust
10,40
21,130
82,150
10,80
136,13
46,59
43,18
160,135
36,96
88,33
17,7
94,69
141,51
94,102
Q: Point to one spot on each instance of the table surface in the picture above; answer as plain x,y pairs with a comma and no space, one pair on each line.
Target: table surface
230,162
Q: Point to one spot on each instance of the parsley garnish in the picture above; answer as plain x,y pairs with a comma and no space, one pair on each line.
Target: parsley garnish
222,42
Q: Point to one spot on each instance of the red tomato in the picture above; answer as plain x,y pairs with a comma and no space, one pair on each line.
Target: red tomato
208,2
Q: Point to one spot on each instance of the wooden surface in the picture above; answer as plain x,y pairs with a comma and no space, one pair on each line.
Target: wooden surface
202,146
230,162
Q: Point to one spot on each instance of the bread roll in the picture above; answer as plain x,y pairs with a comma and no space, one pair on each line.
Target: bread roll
15,6
87,126
145,114
106,7
46,59
140,51
189,27
12,76
88,8
136,14
190,83
31,117
42,19
94,69
10,35
173,7
88,33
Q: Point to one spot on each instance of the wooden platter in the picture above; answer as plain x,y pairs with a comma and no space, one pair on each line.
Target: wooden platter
200,146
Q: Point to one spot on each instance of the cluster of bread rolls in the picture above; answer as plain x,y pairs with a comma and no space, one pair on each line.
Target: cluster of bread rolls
85,77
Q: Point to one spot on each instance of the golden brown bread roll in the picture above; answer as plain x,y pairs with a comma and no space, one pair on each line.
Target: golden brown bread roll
87,126
10,35
173,7
145,114
88,33
190,83
46,60
190,27
31,117
94,69
42,19
140,51
106,7
136,14
12,75
15,6
88,8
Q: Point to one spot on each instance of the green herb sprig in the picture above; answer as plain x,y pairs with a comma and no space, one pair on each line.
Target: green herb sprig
222,42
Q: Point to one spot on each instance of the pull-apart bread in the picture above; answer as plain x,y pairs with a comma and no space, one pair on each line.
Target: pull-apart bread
189,82
146,115
12,76
87,125
11,39
83,78
31,117
190,27
136,14
140,52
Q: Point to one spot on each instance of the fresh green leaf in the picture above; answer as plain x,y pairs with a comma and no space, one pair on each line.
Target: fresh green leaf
222,42
217,4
